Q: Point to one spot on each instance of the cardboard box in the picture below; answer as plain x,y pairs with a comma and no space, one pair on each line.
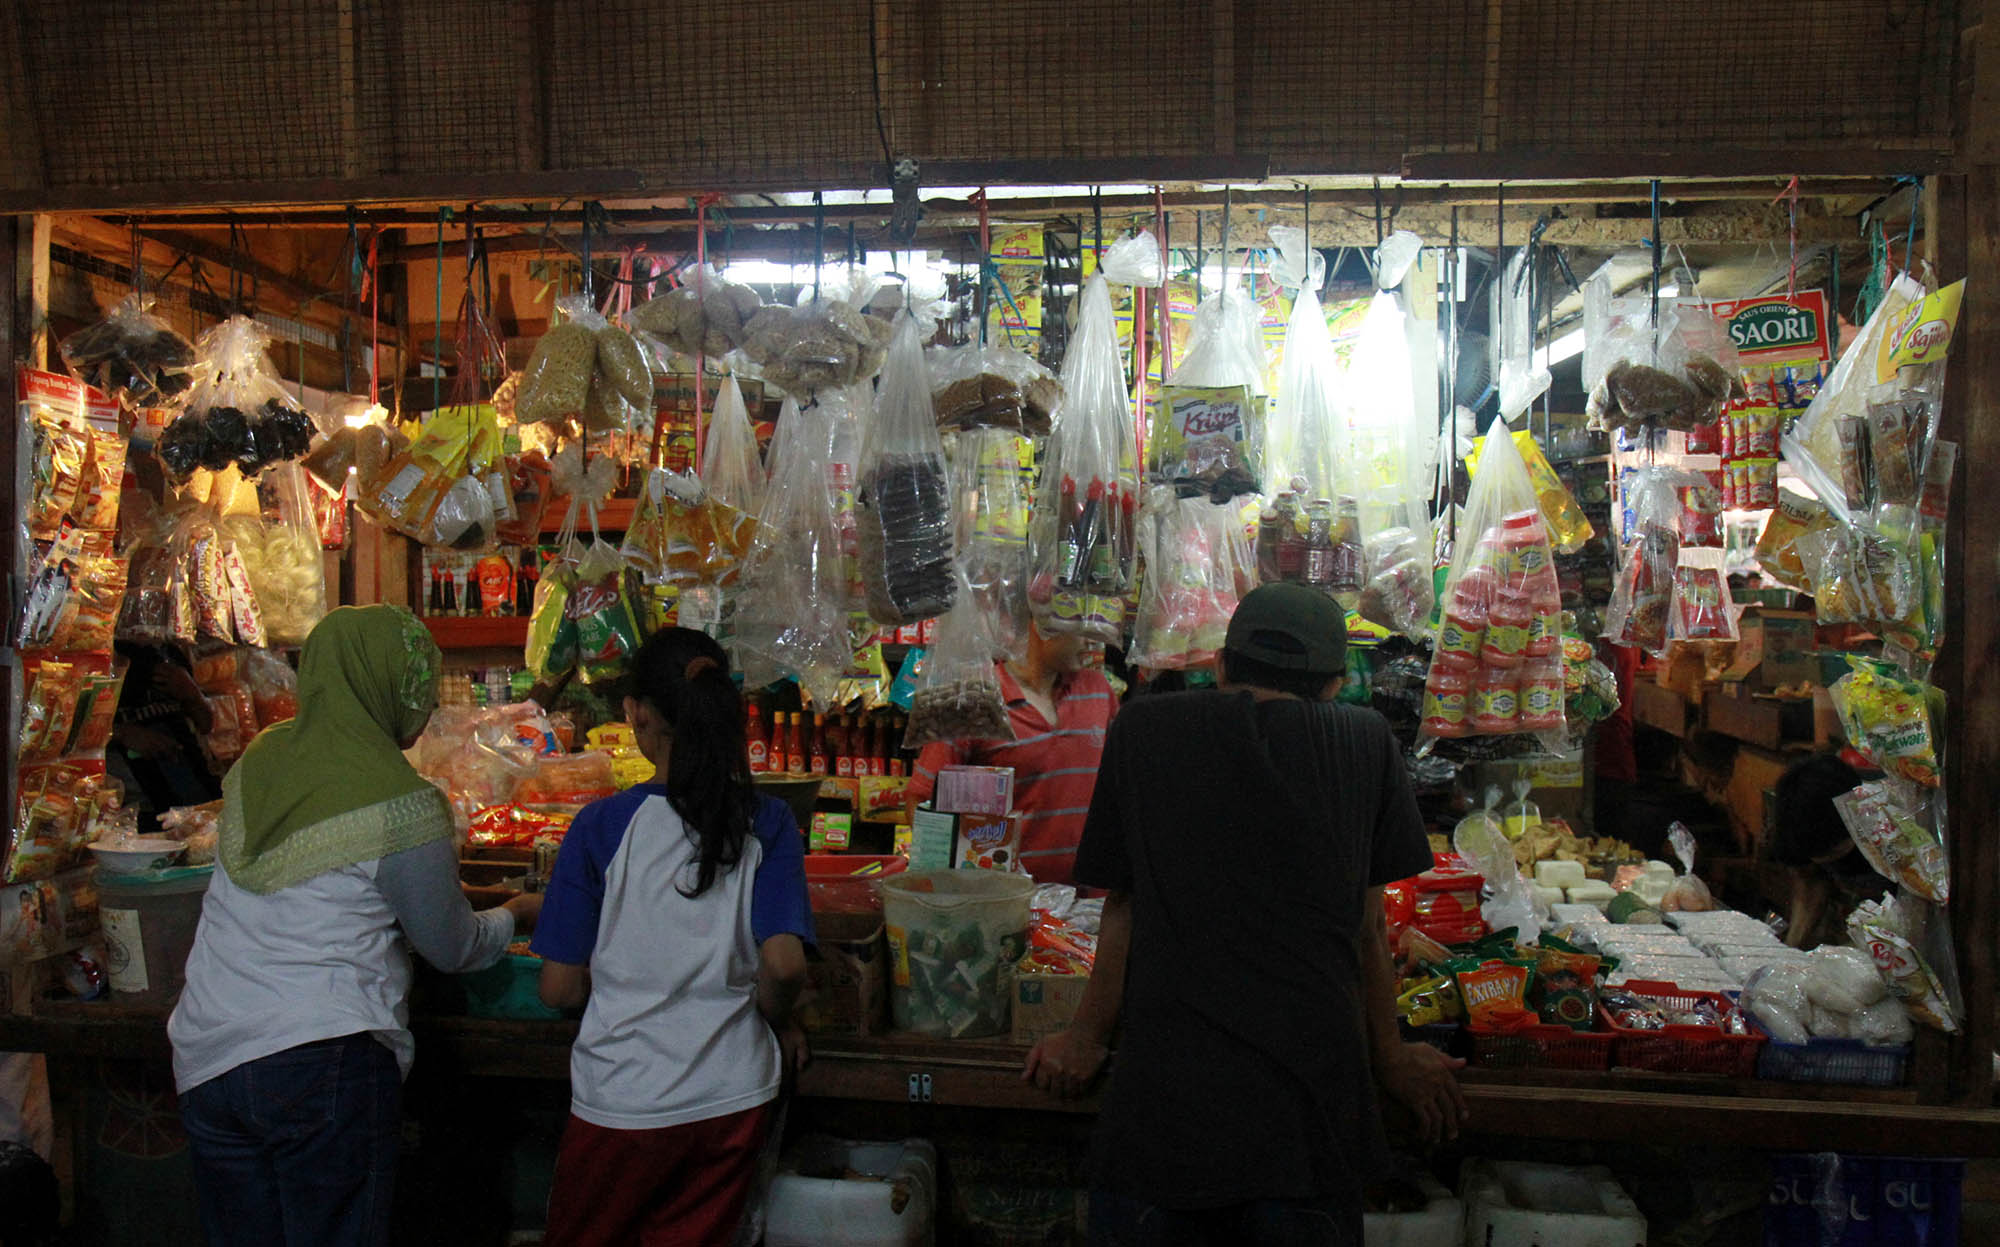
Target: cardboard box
942,841
1560,790
847,978
975,790
1045,1003
933,835
1776,648
883,798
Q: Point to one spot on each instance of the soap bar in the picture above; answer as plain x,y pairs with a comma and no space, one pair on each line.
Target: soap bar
1559,874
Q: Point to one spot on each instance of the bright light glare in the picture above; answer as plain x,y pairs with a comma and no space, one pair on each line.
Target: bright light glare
375,414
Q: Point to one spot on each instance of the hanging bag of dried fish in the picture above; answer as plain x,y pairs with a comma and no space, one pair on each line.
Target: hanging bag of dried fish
131,354
706,315
555,385
1678,377
903,500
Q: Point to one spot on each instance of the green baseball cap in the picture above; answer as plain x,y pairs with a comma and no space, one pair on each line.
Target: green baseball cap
1291,627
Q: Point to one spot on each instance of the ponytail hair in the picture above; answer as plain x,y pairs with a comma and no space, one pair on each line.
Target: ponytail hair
684,676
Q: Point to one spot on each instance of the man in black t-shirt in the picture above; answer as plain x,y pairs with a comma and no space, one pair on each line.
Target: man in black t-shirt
1244,836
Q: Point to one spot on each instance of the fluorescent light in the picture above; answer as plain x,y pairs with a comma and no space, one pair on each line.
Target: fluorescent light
1569,346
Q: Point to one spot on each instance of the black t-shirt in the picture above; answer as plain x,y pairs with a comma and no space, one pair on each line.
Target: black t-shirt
1247,833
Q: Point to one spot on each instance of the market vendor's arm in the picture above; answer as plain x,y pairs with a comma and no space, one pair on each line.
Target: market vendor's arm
1064,1064
422,887
1416,1075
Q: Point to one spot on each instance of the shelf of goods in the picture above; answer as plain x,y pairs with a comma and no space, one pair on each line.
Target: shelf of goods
481,632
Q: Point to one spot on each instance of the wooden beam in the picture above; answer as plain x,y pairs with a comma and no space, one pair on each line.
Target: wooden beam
1880,160
31,291
13,492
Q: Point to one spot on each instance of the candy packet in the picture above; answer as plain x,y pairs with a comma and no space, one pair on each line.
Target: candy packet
1910,944
1898,835
1888,719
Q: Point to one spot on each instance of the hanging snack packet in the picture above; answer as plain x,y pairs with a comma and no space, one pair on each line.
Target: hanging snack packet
1777,545
1703,609
1888,719
556,381
607,631
1212,421
51,409
903,495
958,696
1897,839
131,354
1898,934
552,632
705,315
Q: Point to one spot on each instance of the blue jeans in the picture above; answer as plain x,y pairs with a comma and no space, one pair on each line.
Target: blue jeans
1121,1221
298,1148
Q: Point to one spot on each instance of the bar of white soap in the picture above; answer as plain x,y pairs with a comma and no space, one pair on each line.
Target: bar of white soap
1558,874
1651,891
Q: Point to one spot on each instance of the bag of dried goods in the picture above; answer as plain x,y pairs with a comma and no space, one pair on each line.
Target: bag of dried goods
902,499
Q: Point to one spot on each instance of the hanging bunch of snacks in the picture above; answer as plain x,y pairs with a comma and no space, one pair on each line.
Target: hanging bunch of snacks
236,412
1082,537
1211,432
818,346
584,369
995,387
1641,611
902,499
1679,375
449,487
958,694
1497,667
277,538
993,472
1890,719
707,315
74,596
1198,566
682,534
131,354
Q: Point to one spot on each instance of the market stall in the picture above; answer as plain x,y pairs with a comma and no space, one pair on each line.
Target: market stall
870,482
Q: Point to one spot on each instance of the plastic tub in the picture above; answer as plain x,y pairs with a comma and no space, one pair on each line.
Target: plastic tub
954,936
1848,1062
1440,1223
844,883
1538,1045
149,924
1684,1049
1524,1204
509,988
892,1203
1864,1201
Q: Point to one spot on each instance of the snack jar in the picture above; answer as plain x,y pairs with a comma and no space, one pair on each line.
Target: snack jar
1541,699
1524,545
1507,629
1496,700
1472,596
1545,629
1447,702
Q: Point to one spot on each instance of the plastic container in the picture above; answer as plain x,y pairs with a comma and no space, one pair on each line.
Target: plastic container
1440,1223
149,923
1847,1062
1870,1201
510,988
812,1205
844,883
954,936
1683,1049
1538,1045
1524,1204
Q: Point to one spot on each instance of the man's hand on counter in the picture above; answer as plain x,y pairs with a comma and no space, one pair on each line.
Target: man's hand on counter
1065,1064
526,908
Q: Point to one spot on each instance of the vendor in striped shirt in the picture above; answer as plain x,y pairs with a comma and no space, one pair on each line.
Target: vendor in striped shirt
1060,704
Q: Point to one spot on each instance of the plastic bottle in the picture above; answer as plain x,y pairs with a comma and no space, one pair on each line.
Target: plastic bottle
1496,700
1291,541
795,744
816,759
1347,561
838,745
1319,551
1462,628
1541,699
1507,627
1545,630
1447,703
1267,546
760,744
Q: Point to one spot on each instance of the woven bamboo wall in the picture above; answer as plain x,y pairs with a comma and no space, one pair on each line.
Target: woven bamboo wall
110,101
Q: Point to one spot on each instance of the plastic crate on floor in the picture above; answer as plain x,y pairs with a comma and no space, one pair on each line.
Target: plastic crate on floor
1683,1049
1863,1201
1848,1062
1540,1046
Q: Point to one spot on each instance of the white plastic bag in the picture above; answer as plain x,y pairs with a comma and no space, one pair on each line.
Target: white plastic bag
1843,980
1197,568
1522,379
1212,422
1133,261
993,490
958,695
730,467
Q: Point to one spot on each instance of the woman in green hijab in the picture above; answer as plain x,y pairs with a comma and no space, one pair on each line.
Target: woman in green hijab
291,1037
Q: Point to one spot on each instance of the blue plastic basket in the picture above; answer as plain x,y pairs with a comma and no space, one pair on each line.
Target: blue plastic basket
1863,1201
1845,1061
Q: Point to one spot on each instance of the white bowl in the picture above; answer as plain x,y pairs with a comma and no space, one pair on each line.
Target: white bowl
128,857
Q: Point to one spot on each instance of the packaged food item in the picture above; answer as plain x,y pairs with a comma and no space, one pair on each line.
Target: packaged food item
1681,376
568,780
1196,558
600,606
552,630
903,503
1898,838
131,354
820,346
1494,992
1083,539
1908,944
556,381
237,411
706,315
1562,515
992,386
958,692
515,826
51,411
1888,719
1702,605
1212,415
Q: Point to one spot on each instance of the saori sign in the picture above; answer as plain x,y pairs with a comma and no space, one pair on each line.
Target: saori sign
1778,327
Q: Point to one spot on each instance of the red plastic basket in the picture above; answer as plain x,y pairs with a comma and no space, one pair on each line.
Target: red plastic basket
845,882
1683,1049
1540,1046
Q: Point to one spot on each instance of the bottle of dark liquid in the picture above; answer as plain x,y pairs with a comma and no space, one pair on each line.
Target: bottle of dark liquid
1267,546
1291,540
1347,568
897,766
1318,569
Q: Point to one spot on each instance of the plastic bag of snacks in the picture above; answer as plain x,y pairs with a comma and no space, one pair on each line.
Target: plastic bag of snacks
818,346
1398,593
1703,609
1211,423
706,315
1568,527
730,467
607,630
1777,545
1679,376
1860,578
74,599
1197,566
278,543
439,490
236,411
1641,604
131,354
792,618
958,695
993,480
1082,534
902,502
1497,664
273,685
991,387
555,384
1909,943
683,535
58,449
1888,719
1896,831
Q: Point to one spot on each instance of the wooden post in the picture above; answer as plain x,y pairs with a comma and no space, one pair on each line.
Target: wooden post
31,290
11,228
1968,219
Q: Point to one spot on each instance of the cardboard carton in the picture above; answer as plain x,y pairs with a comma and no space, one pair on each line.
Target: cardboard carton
847,988
975,790
1045,1003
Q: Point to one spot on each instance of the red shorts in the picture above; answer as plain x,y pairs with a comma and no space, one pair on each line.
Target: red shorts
677,1186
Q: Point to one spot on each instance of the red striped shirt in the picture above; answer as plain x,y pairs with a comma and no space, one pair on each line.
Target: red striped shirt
1055,766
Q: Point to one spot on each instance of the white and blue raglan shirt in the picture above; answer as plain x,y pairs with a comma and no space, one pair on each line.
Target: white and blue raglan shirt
671,1034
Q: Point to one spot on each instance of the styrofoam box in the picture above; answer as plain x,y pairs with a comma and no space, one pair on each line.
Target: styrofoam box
836,1212
1548,896
1441,1223
1525,1204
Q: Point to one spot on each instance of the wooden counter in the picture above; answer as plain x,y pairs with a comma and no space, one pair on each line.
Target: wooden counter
902,1070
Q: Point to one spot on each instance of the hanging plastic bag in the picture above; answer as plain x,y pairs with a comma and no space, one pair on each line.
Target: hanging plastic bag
1641,606
1384,447
1304,434
1860,578
1133,260
1211,426
1497,664
236,411
1909,943
1777,545
991,387
1082,533
1568,527
1703,609
555,384
131,354
706,315
277,539
792,618
1889,719
730,468
903,494
1481,840
1194,551
681,535
817,346
993,473
1522,379
1680,376
607,630
958,695
1897,827
552,635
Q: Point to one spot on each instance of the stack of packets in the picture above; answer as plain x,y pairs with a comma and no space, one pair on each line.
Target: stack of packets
1497,984
1049,979
68,615
969,823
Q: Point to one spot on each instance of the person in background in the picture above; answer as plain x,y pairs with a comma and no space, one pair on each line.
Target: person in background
291,1037
1244,835
1060,705
156,737
677,910
1828,873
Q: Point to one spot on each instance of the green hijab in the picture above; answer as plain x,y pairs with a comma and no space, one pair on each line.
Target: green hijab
331,788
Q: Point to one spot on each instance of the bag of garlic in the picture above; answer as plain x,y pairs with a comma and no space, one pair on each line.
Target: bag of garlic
270,521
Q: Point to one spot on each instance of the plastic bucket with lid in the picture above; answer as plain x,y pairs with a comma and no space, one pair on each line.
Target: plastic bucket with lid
149,923
954,936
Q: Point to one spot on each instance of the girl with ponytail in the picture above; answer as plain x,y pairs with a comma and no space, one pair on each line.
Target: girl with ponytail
677,916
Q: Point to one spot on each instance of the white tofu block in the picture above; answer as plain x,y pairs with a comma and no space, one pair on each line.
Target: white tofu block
1591,892
1559,874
